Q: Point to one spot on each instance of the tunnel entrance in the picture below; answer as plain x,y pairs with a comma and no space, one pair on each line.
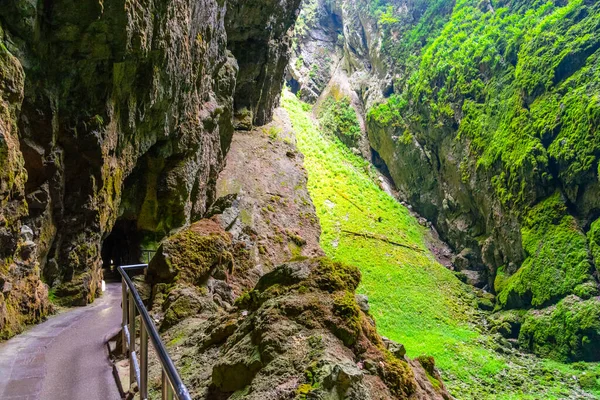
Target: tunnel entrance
122,246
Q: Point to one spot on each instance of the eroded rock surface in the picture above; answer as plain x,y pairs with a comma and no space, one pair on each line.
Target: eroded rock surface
117,117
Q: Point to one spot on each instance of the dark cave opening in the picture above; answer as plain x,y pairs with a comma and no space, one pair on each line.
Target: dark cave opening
293,84
122,246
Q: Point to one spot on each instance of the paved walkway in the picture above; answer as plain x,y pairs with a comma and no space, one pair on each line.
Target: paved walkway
64,358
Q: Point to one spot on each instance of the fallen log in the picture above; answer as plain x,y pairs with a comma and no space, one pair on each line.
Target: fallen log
382,239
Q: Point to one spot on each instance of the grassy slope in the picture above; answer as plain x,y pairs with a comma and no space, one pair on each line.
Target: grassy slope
414,299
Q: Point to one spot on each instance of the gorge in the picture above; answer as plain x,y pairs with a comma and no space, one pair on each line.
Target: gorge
275,152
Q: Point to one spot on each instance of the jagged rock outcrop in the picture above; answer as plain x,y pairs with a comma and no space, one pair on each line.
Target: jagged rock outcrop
489,133
121,115
298,334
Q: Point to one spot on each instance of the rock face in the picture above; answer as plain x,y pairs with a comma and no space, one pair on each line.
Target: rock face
258,36
23,297
271,212
115,122
495,144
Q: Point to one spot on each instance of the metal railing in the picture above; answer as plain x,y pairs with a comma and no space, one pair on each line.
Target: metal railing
138,372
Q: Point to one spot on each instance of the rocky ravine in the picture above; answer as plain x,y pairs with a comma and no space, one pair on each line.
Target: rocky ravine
501,157
116,117
251,309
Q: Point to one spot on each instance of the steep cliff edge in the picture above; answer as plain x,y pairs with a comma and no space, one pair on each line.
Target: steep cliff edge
116,120
486,115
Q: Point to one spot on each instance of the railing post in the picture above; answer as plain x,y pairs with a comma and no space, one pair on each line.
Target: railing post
164,385
124,307
131,339
169,392
143,362
138,371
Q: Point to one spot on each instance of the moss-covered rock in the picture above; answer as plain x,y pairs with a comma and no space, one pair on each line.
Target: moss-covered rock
184,302
507,323
191,255
299,334
557,260
312,299
568,331
23,296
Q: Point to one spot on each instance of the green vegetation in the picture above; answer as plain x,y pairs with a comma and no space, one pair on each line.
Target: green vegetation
557,263
594,240
414,299
337,117
566,331
521,75
512,87
308,16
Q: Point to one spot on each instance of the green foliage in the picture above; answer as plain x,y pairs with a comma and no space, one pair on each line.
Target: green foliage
387,18
594,240
557,257
308,17
523,79
337,117
568,331
414,300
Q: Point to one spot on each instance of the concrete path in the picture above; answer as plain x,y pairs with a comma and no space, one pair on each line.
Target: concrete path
64,358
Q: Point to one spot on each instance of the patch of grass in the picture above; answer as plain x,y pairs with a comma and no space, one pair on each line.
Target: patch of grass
413,298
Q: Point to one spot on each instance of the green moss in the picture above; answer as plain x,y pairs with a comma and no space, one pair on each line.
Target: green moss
295,251
303,390
590,380
398,376
345,307
568,331
182,307
332,276
557,257
428,364
501,280
190,255
521,76
296,239
594,241
337,117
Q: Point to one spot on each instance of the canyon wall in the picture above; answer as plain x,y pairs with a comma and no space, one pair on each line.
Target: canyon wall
486,117
116,117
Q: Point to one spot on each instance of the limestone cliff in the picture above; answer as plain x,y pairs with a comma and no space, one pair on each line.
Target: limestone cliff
116,117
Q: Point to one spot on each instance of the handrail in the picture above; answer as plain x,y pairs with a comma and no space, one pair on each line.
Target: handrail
171,381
